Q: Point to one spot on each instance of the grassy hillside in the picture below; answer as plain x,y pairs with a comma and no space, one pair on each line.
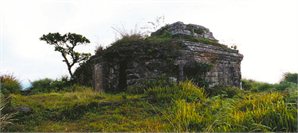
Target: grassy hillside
85,111
181,107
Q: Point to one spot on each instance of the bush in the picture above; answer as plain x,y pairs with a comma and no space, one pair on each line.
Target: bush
256,86
285,85
42,85
289,81
291,89
9,84
48,85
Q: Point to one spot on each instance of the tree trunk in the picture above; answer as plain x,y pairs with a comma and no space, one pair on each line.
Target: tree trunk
70,73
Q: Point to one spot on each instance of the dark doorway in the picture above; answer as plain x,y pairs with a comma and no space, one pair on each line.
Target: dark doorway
122,76
232,77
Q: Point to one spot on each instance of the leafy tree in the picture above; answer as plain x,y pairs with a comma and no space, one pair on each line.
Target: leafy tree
290,77
65,44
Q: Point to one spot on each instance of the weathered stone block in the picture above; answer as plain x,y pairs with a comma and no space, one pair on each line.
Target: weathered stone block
98,77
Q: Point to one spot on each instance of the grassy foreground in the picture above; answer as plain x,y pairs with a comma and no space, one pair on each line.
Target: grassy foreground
85,111
181,107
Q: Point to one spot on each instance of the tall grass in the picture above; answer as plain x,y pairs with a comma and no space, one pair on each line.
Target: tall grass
56,100
6,118
185,116
180,107
264,111
184,90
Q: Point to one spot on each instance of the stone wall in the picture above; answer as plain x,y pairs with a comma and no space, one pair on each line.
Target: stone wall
98,77
134,72
225,63
225,69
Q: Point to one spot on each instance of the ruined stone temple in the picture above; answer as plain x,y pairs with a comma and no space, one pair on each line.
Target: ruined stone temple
175,52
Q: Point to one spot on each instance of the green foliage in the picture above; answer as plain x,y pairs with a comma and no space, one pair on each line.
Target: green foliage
48,85
256,86
260,86
65,44
165,34
285,85
136,46
9,84
165,37
42,85
290,77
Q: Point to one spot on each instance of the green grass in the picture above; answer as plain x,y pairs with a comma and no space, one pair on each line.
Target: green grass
85,110
181,107
185,90
254,112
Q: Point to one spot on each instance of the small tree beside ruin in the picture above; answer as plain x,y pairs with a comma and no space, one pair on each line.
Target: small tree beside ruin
65,44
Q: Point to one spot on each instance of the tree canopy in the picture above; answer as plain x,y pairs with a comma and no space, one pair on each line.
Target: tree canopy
65,44
290,77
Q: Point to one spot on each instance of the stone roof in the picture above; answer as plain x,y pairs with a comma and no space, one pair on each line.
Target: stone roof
179,28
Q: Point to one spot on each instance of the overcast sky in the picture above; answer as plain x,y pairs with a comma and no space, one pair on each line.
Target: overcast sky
265,31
